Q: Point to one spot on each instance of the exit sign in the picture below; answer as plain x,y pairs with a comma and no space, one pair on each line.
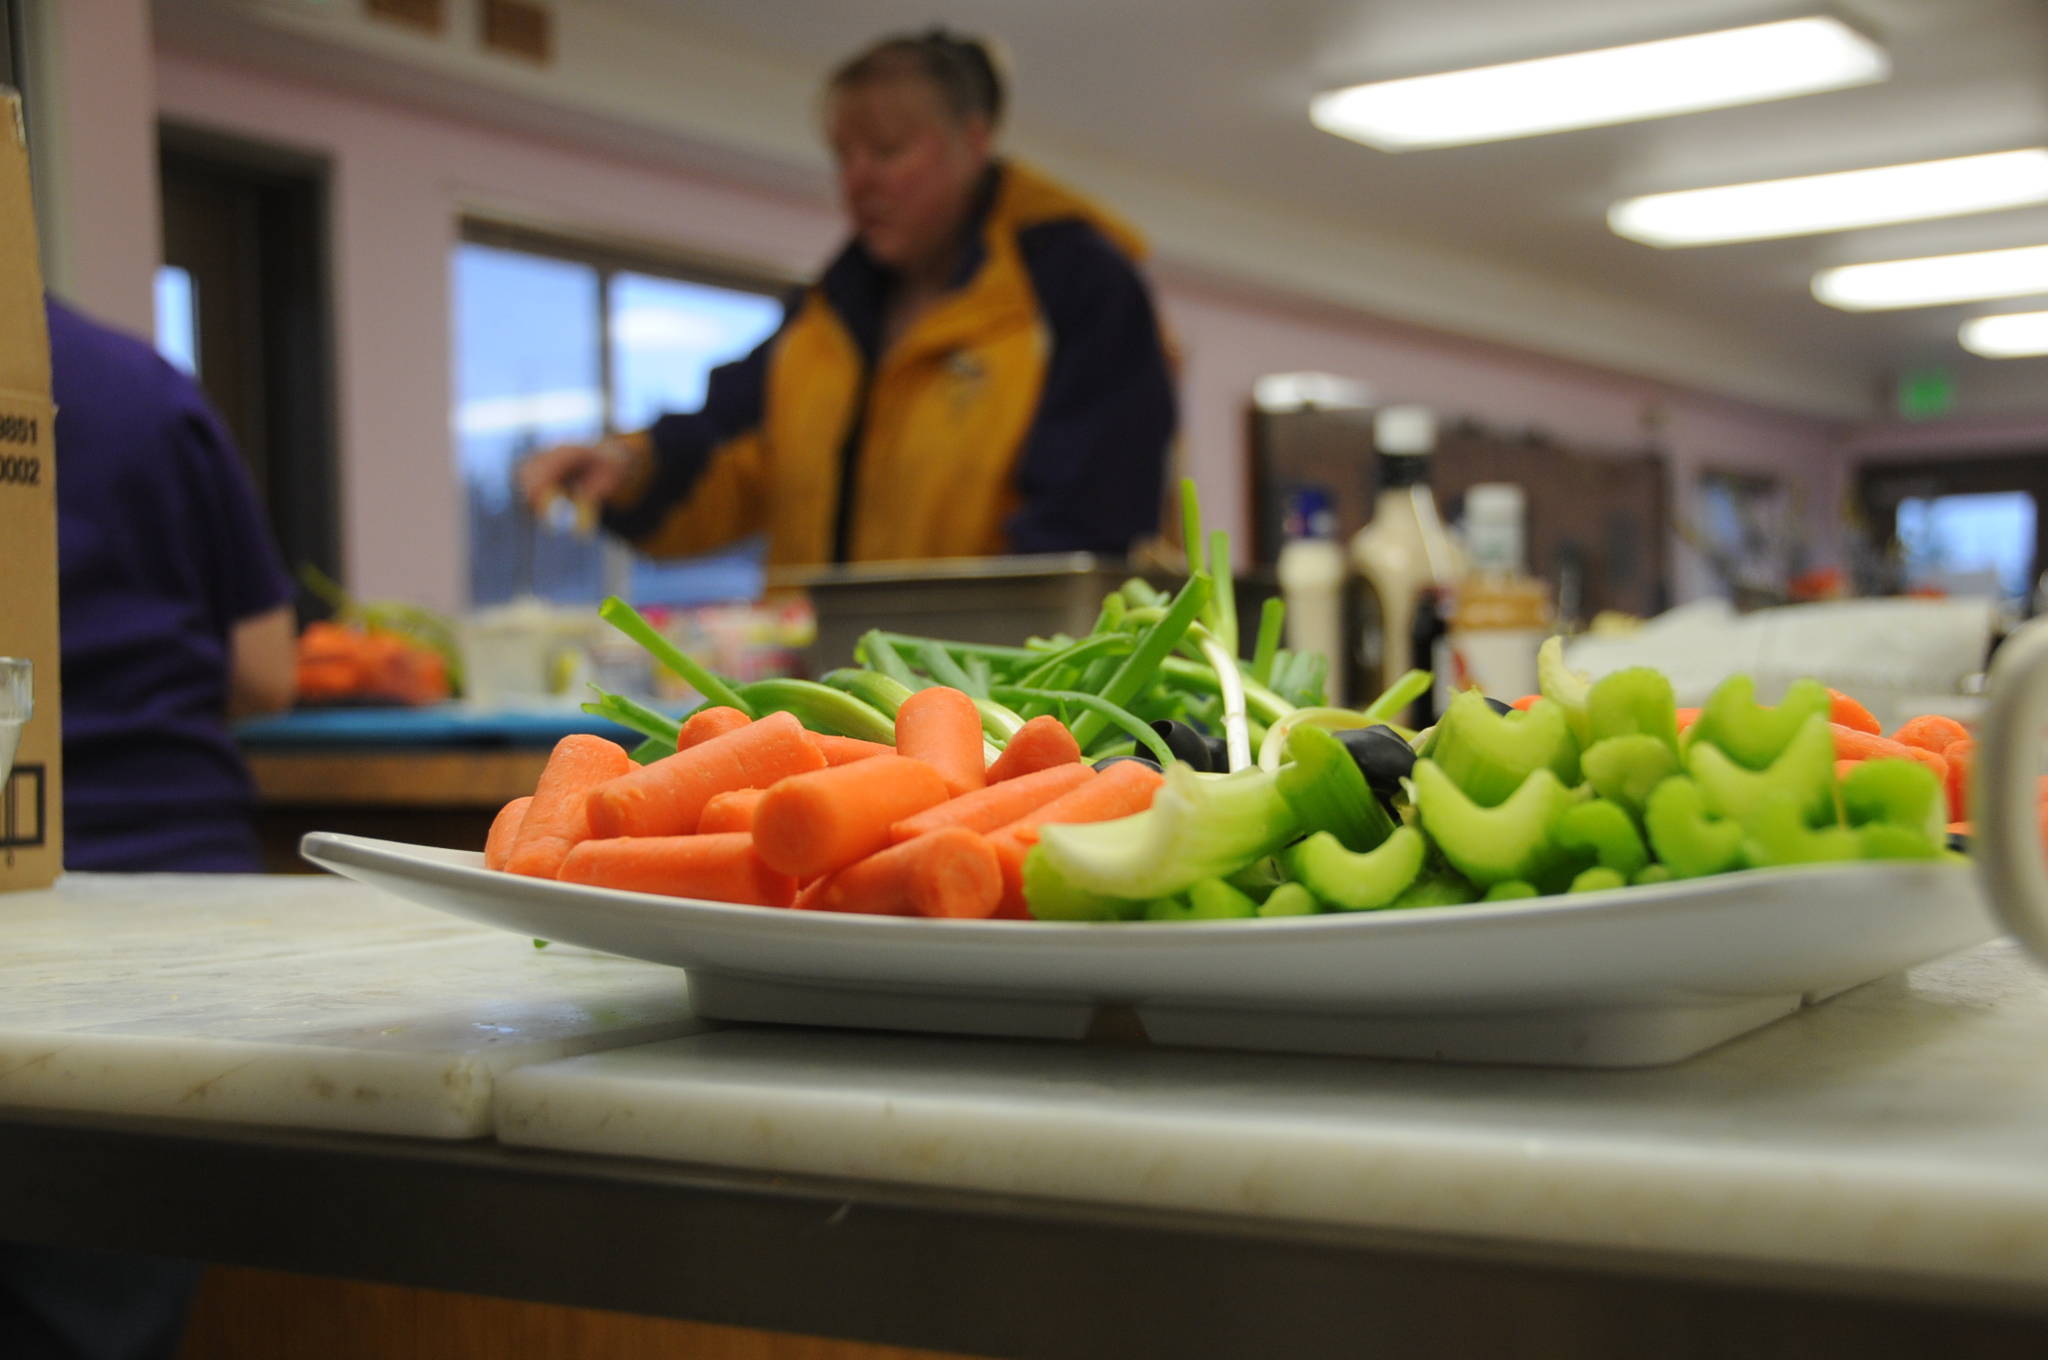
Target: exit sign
1925,394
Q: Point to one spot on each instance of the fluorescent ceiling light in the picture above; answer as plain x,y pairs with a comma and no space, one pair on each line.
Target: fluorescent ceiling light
1611,85
1835,202
1935,280
2012,336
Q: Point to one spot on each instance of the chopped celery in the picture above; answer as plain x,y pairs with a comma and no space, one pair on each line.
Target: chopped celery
1510,890
1633,702
1804,767
1690,843
1199,826
1602,830
1290,899
1488,754
1492,844
1050,897
1776,833
1627,769
1750,734
1215,900
1351,881
1328,792
1258,878
1888,840
1438,887
1599,878
1651,874
1565,687
1901,793
1273,750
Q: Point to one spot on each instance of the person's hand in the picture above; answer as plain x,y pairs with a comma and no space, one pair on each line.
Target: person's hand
587,474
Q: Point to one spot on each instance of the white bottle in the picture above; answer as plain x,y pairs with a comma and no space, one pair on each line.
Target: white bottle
1502,614
1312,572
1403,554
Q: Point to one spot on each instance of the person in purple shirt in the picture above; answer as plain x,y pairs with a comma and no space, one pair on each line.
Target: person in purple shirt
174,607
175,615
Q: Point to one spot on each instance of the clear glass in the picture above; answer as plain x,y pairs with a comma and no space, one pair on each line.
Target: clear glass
528,373
666,336
17,706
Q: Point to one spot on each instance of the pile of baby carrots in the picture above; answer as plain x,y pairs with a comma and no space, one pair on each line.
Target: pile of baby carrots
763,811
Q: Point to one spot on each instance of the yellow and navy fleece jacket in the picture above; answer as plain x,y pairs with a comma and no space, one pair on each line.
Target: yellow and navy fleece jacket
1030,409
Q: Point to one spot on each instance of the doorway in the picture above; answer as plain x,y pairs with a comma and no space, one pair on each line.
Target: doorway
243,302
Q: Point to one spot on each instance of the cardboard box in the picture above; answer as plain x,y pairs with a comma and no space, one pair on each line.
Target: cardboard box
32,801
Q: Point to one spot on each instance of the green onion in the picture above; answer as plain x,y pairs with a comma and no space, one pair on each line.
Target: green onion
628,620
1272,615
1137,669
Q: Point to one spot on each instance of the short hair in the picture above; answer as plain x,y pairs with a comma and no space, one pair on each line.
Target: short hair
960,68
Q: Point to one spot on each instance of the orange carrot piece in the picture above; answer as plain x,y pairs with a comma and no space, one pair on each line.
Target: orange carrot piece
942,728
667,797
558,818
951,872
1846,711
997,805
1039,744
820,822
846,750
1932,732
811,894
504,832
1687,717
722,868
707,723
1119,791
1854,744
732,810
1525,703
1842,768
1962,759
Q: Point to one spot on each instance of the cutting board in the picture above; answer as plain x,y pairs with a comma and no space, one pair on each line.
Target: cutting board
294,1001
1902,1125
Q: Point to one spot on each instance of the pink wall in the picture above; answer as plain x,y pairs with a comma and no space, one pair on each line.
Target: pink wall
98,191
402,178
1231,340
1897,440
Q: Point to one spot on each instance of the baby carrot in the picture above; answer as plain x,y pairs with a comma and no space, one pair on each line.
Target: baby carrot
942,728
1961,758
1851,744
707,723
667,797
1846,711
997,805
1039,744
557,819
815,823
1932,732
722,868
1686,717
846,750
951,872
504,831
732,810
1124,788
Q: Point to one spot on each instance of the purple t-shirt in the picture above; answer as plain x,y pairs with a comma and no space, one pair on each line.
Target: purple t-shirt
162,549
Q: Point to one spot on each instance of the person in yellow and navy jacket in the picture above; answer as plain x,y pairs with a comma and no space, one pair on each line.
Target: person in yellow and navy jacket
980,371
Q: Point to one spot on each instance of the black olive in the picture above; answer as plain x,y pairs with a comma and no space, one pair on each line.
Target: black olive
1219,754
1189,747
1959,842
1497,706
1108,761
1381,755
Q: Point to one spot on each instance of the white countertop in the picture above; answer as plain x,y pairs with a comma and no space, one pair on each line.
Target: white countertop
298,1001
1900,1127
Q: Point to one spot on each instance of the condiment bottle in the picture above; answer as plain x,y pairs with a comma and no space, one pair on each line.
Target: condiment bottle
1501,614
1402,555
1312,571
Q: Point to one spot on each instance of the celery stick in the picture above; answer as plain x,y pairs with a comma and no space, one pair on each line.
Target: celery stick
1350,881
1491,844
1199,826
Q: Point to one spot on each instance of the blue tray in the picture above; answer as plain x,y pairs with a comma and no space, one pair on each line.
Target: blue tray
434,725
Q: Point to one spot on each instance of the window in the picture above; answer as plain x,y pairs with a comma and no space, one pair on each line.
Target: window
1971,544
556,342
